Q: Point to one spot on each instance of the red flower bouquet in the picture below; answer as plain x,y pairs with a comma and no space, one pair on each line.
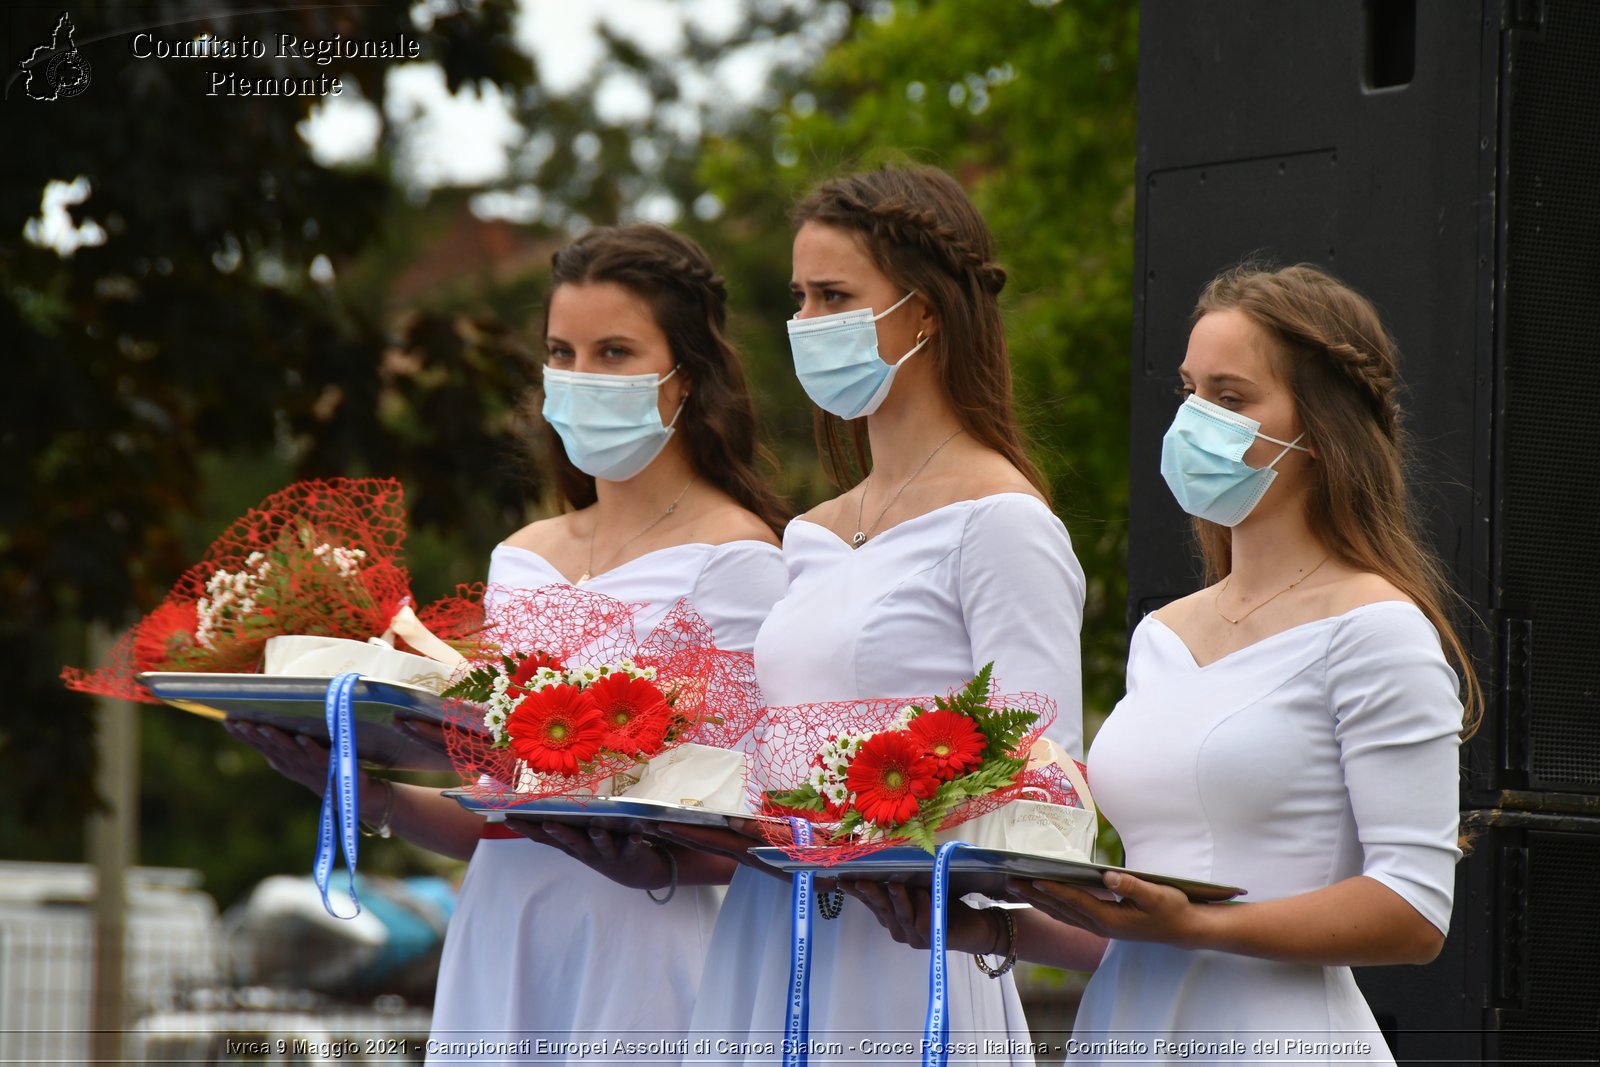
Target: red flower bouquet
888,776
588,711
559,721
319,558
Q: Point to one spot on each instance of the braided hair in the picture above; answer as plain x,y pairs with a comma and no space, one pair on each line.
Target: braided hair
921,231
673,275
1342,368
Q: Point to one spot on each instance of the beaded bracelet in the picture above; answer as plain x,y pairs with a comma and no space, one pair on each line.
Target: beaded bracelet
831,903
1011,948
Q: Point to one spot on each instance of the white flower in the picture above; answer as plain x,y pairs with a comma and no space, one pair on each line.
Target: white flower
836,793
495,720
583,676
902,720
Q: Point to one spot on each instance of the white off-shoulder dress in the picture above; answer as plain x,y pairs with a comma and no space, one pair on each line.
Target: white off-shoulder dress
917,610
1323,752
543,952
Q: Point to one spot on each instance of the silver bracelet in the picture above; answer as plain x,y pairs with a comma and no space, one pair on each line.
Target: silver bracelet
672,885
382,829
1010,960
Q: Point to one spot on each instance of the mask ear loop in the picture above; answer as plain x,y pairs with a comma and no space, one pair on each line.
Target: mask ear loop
895,306
921,340
662,381
1288,446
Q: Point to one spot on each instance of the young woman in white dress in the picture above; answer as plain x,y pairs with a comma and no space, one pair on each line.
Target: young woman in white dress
652,439
945,557
1293,728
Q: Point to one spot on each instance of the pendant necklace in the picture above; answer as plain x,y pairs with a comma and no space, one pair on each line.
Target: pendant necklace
589,571
1216,603
860,537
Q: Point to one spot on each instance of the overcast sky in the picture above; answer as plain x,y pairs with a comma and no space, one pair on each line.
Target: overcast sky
466,139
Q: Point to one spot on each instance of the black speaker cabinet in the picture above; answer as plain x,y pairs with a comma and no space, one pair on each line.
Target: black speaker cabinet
1518,978
1442,156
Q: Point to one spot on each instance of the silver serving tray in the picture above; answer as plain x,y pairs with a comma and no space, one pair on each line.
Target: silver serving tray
983,870
296,705
619,813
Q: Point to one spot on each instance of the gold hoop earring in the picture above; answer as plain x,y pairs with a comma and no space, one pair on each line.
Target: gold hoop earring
919,337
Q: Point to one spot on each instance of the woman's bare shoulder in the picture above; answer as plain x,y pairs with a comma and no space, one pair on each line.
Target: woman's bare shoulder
1175,613
545,536
1359,588
834,509
728,522
985,472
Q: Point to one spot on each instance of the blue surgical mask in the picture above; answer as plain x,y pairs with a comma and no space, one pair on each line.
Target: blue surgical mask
836,359
1202,459
610,424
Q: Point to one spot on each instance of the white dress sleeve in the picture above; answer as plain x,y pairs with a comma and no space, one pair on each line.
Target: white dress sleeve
736,589
1397,719
1022,600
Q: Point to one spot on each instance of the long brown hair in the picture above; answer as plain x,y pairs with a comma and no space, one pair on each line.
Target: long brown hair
922,232
674,276
1342,368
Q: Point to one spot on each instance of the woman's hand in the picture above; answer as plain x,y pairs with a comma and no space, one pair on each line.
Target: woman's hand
625,858
1144,912
734,843
426,733
295,756
907,913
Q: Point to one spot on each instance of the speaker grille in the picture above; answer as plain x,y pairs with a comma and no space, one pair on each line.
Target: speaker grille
1561,1022
1551,509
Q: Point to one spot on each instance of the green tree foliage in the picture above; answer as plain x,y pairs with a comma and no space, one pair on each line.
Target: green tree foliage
1031,106
202,354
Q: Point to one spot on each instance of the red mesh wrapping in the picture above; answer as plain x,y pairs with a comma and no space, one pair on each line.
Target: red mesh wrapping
713,690
1053,782
789,741
221,612
456,619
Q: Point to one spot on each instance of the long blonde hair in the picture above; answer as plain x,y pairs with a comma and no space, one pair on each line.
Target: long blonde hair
1342,368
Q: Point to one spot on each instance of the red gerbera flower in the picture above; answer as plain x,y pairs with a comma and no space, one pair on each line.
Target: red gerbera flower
531,666
166,634
950,741
635,714
556,729
889,777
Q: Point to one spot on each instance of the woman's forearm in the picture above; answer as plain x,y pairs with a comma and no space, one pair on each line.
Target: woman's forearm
423,816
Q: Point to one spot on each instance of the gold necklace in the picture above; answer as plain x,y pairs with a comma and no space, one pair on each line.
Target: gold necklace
860,537
589,571
1216,603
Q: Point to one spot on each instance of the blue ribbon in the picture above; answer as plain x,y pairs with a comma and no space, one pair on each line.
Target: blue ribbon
936,1031
340,793
798,1025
